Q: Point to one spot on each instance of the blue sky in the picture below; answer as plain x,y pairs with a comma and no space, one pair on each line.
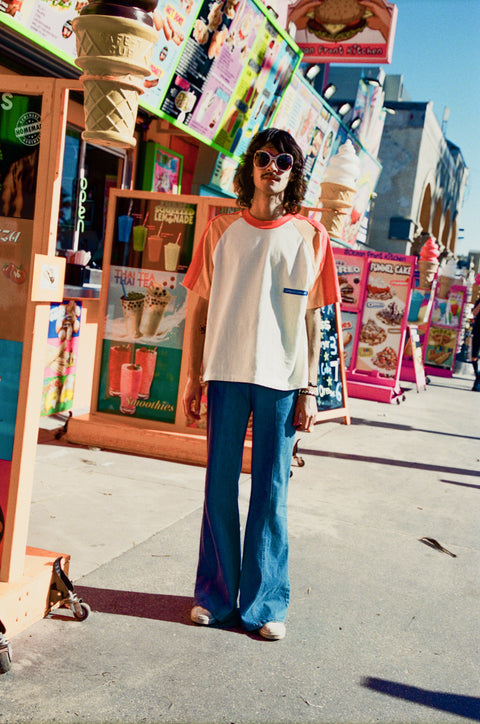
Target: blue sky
437,50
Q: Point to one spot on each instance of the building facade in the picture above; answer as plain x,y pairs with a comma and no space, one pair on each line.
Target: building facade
421,188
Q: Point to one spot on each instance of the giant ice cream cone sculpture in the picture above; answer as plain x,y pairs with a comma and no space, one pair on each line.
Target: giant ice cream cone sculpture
338,189
446,277
114,49
428,263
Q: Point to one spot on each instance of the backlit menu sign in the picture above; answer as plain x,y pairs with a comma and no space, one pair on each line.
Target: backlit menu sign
348,32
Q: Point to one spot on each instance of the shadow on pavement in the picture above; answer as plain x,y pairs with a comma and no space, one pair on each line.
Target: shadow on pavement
407,428
465,706
389,461
175,609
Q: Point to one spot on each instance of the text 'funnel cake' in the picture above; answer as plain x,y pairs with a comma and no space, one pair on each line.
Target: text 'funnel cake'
114,49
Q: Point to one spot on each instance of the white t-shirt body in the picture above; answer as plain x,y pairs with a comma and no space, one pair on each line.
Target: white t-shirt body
259,277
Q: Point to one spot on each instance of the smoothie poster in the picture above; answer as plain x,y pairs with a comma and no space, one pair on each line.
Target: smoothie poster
384,317
142,347
61,357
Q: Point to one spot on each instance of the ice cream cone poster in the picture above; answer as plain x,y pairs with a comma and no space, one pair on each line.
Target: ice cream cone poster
384,317
61,357
344,31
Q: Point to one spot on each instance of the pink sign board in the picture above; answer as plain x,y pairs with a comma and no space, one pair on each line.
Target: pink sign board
330,32
384,316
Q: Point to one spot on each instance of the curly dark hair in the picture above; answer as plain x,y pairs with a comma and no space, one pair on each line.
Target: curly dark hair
283,142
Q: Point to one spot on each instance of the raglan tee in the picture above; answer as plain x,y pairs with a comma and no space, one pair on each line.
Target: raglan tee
260,277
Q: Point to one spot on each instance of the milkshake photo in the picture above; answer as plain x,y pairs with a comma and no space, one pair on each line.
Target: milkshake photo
132,306
156,302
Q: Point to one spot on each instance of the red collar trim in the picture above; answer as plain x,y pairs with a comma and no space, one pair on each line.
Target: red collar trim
263,223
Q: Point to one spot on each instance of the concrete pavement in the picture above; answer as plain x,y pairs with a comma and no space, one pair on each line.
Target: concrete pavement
382,627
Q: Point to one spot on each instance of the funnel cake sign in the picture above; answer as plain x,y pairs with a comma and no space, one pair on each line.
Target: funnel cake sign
344,31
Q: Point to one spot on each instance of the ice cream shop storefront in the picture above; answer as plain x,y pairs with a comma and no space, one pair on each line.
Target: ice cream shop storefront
99,222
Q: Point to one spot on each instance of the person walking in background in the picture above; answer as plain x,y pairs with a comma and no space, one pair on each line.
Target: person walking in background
259,277
476,344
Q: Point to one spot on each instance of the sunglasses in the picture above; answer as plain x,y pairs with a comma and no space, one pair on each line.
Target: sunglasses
263,159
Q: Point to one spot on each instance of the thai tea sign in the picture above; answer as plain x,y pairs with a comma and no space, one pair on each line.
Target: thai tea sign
344,31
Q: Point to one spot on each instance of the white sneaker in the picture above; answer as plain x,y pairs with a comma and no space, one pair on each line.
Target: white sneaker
201,616
273,631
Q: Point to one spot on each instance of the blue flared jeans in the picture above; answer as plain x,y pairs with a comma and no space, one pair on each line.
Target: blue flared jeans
252,581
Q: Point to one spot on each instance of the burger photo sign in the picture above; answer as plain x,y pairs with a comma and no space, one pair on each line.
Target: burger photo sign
344,31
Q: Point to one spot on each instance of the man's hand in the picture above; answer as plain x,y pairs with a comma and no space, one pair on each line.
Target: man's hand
305,412
192,396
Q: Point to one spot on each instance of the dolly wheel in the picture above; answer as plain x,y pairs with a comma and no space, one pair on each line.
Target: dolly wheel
82,611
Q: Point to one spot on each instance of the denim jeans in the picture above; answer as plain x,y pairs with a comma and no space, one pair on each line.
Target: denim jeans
254,583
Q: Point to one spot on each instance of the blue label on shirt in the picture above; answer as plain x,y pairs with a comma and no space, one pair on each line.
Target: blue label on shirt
301,292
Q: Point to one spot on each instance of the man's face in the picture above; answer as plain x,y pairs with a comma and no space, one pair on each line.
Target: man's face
270,179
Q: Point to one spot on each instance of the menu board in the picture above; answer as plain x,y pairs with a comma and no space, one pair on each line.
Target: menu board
444,329
349,331
233,69
351,266
174,20
146,308
384,316
330,385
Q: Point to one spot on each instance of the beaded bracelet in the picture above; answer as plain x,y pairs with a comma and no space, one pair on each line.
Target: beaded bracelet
308,392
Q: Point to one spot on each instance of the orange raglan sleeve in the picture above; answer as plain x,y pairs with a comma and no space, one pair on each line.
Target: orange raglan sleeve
325,289
199,274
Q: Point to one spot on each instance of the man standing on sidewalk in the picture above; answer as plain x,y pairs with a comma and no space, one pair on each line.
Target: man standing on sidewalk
259,277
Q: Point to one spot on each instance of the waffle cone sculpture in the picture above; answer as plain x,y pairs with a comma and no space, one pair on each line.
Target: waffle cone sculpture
337,202
114,51
427,271
338,189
